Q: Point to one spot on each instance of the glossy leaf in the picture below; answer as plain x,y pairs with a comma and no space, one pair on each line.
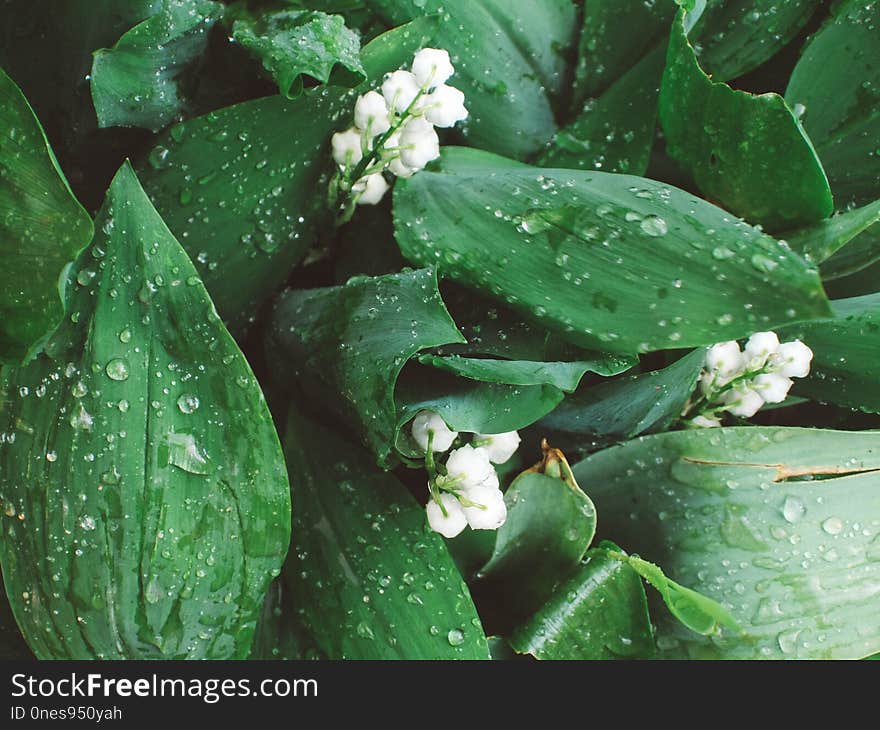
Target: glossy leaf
778,525
600,612
243,188
368,578
550,524
610,262
146,500
846,350
749,153
509,62
293,43
42,227
349,343
631,405
562,375
837,80
822,243
137,83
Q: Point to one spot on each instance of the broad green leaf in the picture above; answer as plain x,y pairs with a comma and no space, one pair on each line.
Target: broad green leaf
826,242
137,83
749,153
42,227
244,188
349,344
846,350
509,61
147,502
615,131
837,80
859,254
610,262
778,525
293,43
562,375
737,36
693,610
368,579
550,524
600,612
631,405
616,33
467,405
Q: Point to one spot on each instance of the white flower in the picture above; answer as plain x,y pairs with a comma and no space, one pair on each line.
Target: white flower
489,512
428,421
759,347
725,361
396,167
347,147
431,67
470,467
772,387
400,90
499,446
419,143
704,422
371,114
744,402
451,523
372,189
444,106
792,359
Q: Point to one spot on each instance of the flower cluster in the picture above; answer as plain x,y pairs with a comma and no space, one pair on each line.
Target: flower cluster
740,382
394,131
465,490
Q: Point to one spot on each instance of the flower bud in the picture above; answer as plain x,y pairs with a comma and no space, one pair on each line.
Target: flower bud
445,106
428,421
489,512
499,446
419,143
432,67
470,467
772,387
449,524
792,359
400,90
371,114
372,189
347,147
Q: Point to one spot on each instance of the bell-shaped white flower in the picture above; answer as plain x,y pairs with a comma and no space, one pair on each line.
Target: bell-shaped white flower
371,114
702,421
742,402
419,143
792,359
469,467
444,106
772,387
400,90
725,360
499,446
759,347
396,167
371,189
427,422
347,150
487,510
432,67
452,522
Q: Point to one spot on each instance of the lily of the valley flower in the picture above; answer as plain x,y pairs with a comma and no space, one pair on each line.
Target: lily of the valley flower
429,426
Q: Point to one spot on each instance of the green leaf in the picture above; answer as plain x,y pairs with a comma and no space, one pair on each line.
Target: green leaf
614,132
293,43
349,343
737,36
600,612
243,188
631,405
137,83
509,61
42,227
610,262
846,350
698,613
747,152
778,525
822,243
550,524
467,405
837,79
563,375
368,578
141,461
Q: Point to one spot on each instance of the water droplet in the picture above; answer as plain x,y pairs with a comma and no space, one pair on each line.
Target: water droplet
117,369
188,403
455,637
793,509
654,225
833,525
